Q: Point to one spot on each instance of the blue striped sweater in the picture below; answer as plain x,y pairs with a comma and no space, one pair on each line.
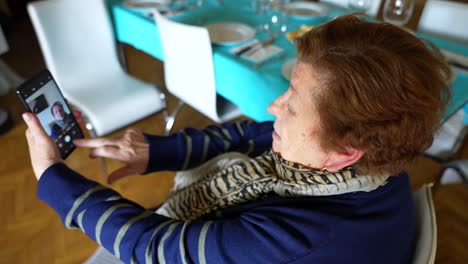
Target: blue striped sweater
359,227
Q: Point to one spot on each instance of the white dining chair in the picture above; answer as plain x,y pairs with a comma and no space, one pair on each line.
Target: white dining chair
448,138
426,227
446,19
372,11
78,45
189,72
455,172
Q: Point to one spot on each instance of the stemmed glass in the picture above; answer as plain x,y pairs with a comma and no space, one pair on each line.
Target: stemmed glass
398,12
193,4
260,9
359,6
276,18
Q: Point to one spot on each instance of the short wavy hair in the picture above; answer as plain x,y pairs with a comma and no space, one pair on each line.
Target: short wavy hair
384,90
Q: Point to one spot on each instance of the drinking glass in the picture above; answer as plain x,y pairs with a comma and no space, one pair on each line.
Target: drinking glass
398,12
276,18
359,6
260,7
193,4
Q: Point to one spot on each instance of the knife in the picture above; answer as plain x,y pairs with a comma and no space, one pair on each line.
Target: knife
458,65
455,60
256,46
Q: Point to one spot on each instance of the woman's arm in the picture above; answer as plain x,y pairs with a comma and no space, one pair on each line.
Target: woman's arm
191,147
131,232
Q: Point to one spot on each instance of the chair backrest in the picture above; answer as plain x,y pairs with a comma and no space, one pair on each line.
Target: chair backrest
372,11
188,64
426,228
77,41
445,19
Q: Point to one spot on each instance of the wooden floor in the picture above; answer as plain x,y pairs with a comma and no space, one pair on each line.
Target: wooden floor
33,233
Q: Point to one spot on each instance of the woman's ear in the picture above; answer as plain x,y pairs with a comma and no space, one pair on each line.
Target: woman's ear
342,159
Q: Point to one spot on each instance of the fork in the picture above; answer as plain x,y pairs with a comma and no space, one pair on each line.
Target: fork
255,46
260,45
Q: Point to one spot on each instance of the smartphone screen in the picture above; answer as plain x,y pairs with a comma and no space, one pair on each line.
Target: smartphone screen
42,97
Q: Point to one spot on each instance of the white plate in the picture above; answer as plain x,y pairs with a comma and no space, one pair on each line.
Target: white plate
146,4
306,9
229,32
287,68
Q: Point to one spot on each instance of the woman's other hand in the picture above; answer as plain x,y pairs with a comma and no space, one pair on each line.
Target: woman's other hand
42,150
78,116
130,148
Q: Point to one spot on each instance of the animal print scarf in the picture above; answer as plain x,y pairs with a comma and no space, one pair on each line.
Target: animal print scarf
232,179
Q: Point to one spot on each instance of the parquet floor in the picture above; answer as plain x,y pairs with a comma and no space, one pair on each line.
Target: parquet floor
32,233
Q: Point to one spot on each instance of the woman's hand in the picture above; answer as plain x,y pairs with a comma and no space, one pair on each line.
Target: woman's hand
42,150
130,148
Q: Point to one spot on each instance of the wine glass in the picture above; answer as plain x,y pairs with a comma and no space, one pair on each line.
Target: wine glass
398,12
276,18
260,7
359,6
193,4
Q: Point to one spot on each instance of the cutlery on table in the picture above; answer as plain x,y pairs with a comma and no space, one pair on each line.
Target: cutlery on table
254,46
455,60
458,65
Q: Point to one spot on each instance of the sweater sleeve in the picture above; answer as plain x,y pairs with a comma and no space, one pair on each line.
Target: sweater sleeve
191,147
137,235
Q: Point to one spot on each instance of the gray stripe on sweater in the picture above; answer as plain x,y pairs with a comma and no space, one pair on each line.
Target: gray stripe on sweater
103,219
161,258
123,230
78,202
149,249
201,243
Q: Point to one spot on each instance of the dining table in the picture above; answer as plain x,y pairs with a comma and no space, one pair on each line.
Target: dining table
250,86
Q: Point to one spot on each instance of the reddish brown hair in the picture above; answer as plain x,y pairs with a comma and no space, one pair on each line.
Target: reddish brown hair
384,90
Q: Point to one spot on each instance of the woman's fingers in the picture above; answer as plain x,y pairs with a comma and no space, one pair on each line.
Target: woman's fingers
110,152
34,125
94,142
119,174
42,150
79,118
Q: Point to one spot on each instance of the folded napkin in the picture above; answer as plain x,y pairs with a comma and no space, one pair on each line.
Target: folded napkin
456,61
246,45
147,7
263,53
255,52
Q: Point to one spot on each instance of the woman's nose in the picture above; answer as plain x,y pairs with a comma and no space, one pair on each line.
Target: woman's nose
275,107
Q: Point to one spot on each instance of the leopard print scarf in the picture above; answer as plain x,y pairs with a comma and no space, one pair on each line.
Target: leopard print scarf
232,179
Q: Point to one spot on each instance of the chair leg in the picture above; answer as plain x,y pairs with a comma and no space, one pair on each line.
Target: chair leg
121,56
170,118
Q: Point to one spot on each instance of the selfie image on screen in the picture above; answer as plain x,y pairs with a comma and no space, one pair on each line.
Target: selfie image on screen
38,105
51,110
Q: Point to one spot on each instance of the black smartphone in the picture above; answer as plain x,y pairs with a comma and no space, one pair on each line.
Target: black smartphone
41,96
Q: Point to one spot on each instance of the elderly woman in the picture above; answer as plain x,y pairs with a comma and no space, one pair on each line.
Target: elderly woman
322,184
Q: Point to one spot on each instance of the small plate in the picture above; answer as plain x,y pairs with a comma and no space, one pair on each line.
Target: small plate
227,33
146,4
306,9
287,68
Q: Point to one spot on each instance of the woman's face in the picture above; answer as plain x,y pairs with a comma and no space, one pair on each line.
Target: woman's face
297,125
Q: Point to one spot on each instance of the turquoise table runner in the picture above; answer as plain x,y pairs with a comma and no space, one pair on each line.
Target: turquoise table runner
236,79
